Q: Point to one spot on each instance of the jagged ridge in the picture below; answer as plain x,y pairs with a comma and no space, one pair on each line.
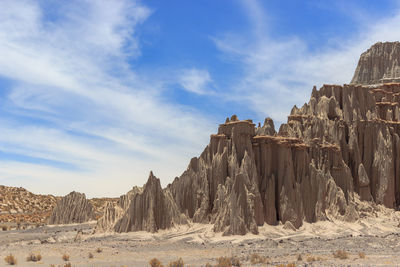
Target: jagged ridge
344,141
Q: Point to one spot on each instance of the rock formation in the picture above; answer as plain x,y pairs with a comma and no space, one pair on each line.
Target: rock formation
149,208
344,142
19,205
73,208
379,64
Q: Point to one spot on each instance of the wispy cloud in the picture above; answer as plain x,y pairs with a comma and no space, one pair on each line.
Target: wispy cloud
280,73
195,80
74,98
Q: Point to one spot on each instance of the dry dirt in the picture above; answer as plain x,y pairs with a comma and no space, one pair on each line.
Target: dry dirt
377,235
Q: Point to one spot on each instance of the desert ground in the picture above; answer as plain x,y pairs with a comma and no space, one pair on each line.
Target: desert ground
372,240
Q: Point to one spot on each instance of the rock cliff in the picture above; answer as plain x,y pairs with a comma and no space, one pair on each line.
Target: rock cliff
379,64
342,145
73,208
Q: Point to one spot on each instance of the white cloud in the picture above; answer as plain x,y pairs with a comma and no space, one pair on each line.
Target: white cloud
82,105
280,73
195,80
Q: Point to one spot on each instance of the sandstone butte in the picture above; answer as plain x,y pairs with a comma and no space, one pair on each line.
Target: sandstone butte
341,147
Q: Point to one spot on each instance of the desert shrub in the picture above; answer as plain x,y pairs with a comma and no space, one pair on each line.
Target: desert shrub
361,255
341,254
299,257
99,250
311,259
224,262
155,263
177,263
90,255
65,257
256,258
4,227
10,259
235,262
34,258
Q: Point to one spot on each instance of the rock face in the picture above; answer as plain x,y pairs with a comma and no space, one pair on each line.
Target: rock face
143,209
73,208
342,145
379,64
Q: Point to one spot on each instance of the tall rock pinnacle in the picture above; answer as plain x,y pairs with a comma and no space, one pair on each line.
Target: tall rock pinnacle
343,145
379,64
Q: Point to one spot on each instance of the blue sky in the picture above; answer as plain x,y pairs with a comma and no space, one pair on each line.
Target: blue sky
95,94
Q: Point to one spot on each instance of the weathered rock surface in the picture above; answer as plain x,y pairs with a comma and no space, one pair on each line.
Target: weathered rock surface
379,64
344,141
149,208
19,205
73,208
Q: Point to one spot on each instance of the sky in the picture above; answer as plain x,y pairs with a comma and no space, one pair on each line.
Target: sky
95,94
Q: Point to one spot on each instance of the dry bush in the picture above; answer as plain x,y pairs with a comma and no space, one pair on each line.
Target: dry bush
10,259
256,258
361,255
311,259
65,257
177,263
224,262
34,258
4,227
235,262
90,255
155,263
99,250
299,257
341,254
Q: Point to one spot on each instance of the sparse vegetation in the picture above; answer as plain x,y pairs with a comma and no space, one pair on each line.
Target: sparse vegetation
65,257
155,263
256,258
34,258
341,254
90,255
177,263
99,250
311,259
10,259
227,262
361,255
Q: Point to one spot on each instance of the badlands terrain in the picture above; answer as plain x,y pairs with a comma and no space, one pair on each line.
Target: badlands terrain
323,190
373,240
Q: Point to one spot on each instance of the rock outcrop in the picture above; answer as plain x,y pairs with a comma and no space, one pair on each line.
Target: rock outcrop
379,64
344,142
73,208
21,206
143,209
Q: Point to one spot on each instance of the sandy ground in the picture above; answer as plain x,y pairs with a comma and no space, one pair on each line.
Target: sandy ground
377,235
